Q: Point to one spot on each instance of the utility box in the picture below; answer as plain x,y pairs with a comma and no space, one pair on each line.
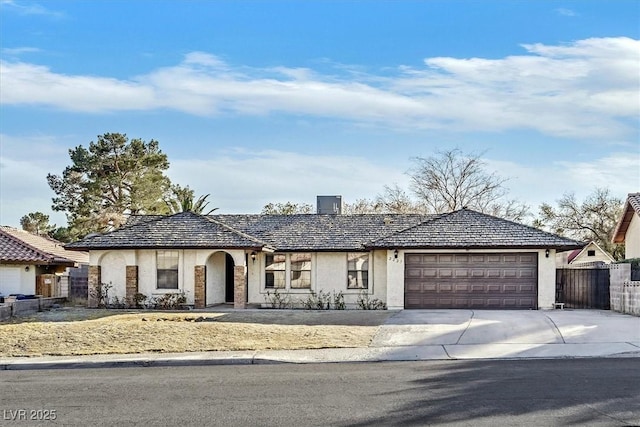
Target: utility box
329,205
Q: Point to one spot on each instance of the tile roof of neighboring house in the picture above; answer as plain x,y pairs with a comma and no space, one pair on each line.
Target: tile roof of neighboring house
470,229
573,254
313,232
19,246
631,207
183,230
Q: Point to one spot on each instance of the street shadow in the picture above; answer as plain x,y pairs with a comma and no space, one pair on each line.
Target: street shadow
462,392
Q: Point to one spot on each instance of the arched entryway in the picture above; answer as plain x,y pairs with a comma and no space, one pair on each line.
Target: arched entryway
219,278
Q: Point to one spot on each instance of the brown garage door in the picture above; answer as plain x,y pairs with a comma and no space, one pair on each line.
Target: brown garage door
496,280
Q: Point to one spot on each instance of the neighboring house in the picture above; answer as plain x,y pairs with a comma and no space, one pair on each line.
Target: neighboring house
587,256
463,259
628,228
25,258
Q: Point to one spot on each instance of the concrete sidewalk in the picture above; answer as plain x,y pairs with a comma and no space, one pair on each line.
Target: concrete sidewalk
412,335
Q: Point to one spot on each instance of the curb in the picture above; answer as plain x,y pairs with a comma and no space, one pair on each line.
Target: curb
273,357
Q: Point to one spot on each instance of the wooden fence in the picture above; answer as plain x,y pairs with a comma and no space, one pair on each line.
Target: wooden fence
583,287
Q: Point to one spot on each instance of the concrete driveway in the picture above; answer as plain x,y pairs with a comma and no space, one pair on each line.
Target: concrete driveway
478,334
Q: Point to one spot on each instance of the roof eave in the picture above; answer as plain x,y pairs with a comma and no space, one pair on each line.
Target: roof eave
622,226
476,247
164,247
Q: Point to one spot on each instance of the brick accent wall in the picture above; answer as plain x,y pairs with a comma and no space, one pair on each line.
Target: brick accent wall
95,279
131,283
200,286
239,287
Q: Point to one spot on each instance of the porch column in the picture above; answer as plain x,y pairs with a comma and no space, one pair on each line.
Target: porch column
94,280
239,287
200,286
131,285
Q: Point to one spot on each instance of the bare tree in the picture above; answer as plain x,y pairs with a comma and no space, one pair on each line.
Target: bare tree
393,199
593,219
452,180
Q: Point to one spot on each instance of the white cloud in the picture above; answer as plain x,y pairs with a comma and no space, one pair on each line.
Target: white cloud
566,12
30,9
584,89
618,171
16,51
24,165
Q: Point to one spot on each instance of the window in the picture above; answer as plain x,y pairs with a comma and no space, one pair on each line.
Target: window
357,270
301,271
275,271
167,268
591,252
288,271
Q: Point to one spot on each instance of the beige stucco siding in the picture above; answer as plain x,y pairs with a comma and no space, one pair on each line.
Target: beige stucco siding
328,274
632,238
113,271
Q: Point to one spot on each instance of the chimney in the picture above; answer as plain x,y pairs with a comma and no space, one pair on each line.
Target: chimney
329,205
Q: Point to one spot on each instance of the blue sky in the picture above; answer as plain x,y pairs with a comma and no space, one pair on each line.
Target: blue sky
259,101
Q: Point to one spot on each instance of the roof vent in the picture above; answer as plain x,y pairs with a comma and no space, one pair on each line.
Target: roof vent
387,220
329,205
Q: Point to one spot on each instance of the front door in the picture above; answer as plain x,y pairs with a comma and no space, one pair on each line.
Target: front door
229,272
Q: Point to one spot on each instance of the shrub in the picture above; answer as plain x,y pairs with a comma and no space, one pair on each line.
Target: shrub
101,294
170,301
137,301
338,301
319,301
277,300
365,302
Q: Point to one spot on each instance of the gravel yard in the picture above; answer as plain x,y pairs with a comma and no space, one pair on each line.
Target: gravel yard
78,331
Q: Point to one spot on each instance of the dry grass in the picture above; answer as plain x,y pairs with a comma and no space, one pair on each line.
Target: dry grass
78,332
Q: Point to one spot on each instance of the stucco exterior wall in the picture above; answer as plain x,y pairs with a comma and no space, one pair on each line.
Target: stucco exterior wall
113,270
328,274
546,274
632,238
546,279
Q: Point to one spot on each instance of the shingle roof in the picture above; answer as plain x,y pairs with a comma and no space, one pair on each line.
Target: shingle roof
321,232
311,232
19,246
470,229
183,230
631,207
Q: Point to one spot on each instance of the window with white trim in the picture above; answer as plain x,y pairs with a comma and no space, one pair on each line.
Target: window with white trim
358,270
288,271
301,271
275,271
167,269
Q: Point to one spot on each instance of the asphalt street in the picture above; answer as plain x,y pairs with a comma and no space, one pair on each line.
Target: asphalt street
599,392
